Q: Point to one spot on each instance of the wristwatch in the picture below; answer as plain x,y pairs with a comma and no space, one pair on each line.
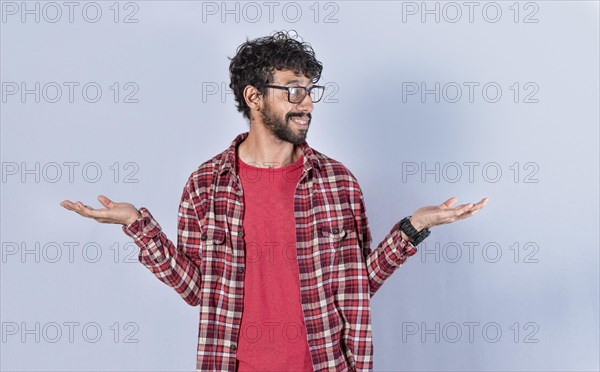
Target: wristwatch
415,236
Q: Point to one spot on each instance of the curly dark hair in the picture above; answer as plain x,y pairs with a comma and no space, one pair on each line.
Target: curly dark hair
256,60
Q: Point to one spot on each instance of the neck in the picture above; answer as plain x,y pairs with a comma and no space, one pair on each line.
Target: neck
262,149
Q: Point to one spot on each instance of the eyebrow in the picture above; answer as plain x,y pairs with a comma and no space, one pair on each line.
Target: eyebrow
294,81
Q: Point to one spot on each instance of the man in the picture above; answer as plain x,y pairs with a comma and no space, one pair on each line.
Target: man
273,237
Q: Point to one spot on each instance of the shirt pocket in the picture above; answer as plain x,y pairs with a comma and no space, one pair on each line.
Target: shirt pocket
213,248
337,229
335,235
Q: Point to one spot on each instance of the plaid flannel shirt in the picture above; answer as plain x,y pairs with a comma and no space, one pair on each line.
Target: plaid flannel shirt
339,273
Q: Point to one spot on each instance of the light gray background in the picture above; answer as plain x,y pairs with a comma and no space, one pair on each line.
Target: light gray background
367,54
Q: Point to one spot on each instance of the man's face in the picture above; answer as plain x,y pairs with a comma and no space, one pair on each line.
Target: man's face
287,121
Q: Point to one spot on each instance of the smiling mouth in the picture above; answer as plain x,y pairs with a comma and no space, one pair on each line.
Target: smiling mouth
300,121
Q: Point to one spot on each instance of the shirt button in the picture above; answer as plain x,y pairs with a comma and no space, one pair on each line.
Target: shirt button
233,347
203,237
240,269
335,231
241,234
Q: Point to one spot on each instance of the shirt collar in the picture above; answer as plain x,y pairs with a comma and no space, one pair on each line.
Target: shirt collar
229,160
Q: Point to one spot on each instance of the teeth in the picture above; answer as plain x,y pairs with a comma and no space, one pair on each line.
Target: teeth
304,122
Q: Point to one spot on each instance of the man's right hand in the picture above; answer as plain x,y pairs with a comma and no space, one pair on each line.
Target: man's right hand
121,213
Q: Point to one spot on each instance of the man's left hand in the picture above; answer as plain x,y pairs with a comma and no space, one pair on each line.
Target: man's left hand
444,213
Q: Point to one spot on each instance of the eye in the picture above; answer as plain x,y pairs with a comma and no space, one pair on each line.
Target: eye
294,91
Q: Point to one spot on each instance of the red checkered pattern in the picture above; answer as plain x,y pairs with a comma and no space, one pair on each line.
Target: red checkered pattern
339,273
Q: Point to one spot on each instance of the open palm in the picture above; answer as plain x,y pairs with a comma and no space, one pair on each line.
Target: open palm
121,213
444,213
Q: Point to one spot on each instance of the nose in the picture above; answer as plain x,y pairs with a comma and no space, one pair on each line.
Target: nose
306,104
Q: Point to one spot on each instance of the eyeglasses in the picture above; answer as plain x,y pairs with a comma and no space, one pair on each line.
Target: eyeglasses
296,94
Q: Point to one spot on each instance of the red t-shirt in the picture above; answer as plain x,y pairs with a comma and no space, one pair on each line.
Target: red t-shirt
272,335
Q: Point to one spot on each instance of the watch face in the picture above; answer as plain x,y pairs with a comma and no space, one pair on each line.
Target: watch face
408,229
421,236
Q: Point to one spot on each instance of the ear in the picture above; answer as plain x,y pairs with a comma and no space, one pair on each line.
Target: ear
253,98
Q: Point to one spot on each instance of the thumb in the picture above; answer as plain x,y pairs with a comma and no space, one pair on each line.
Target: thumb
449,203
105,201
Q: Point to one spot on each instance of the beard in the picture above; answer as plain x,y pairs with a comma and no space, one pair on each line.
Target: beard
282,129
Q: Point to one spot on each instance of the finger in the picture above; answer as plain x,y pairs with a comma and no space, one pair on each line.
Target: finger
448,215
97,214
476,207
483,202
86,210
80,208
467,214
105,201
72,206
462,208
458,213
480,205
449,203
67,204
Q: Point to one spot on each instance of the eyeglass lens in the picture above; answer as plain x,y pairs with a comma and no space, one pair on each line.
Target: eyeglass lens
297,94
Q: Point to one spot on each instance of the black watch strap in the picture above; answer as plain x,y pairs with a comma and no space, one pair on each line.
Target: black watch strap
415,236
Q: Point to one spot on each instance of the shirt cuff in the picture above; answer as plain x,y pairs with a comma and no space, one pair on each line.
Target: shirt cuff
403,248
143,228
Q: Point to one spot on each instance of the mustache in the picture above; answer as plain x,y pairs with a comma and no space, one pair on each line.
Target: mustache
291,115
